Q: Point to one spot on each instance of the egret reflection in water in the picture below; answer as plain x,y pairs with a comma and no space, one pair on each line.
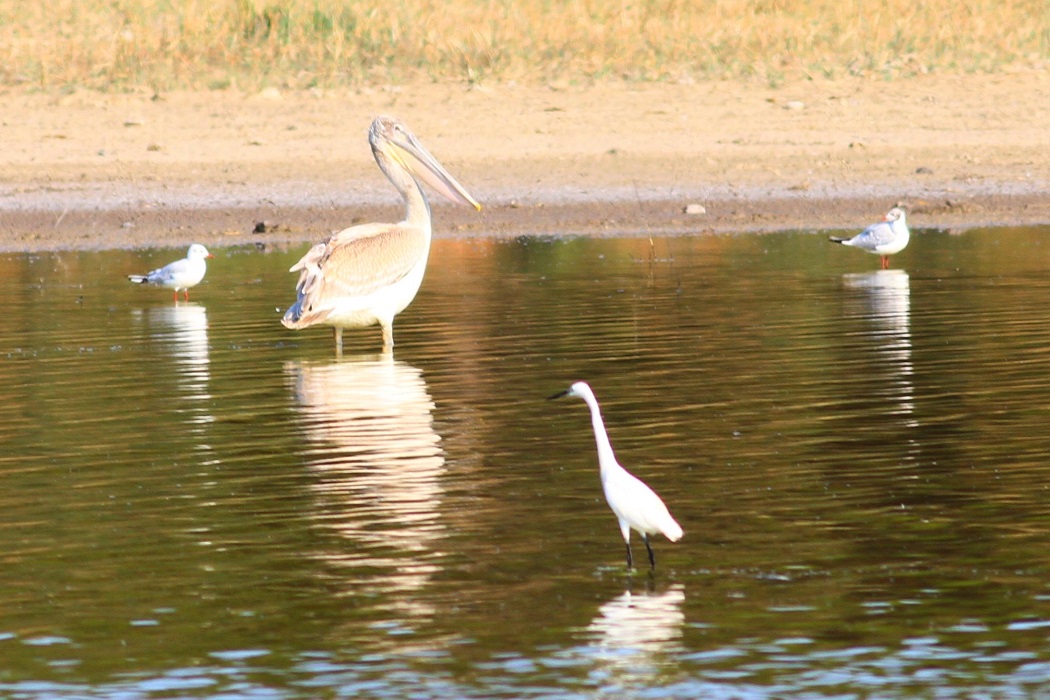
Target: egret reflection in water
634,630
378,464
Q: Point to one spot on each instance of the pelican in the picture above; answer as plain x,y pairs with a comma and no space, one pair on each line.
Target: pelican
181,274
885,238
369,273
636,506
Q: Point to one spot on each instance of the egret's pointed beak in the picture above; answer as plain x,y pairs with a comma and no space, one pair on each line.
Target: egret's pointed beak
558,395
417,159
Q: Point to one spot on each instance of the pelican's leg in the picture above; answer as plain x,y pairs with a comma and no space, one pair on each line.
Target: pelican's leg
885,262
388,337
185,294
176,295
338,332
652,557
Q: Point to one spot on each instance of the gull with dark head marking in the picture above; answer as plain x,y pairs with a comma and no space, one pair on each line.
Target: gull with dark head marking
181,274
885,238
367,274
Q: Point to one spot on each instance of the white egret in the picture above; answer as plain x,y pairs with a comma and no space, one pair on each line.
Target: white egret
367,274
181,274
636,505
885,238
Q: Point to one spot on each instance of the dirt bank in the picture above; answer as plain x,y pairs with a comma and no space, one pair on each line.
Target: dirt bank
87,170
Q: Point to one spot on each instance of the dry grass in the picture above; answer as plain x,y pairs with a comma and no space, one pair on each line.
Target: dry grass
166,44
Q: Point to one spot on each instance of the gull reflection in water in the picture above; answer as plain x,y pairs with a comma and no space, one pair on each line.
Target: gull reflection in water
378,465
634,632
887,305
181,331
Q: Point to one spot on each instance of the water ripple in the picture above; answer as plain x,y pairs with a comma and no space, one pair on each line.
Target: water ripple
200,502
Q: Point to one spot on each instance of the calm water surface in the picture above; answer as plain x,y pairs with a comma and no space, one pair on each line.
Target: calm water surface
199,502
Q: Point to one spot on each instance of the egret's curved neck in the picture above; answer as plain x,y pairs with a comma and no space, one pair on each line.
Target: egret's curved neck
606,458
417,208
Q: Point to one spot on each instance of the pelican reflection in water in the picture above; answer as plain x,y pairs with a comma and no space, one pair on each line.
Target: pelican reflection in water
377,464
367,274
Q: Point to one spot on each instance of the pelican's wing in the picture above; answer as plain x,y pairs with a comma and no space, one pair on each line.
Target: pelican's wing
355,263
362,265
310,264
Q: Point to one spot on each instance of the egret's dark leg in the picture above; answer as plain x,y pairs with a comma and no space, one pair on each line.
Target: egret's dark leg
630,558
652,557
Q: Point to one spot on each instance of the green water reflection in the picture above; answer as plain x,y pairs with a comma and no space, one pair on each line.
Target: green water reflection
198,501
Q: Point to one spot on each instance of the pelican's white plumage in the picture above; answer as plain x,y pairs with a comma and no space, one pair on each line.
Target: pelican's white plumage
367,274
635,505
181,274
885,238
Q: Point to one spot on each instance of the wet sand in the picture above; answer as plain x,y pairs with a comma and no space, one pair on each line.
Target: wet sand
93,171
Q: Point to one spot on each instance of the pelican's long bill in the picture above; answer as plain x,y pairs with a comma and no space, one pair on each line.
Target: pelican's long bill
414,157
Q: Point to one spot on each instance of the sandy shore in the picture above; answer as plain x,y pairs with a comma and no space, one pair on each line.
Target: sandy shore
88,170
